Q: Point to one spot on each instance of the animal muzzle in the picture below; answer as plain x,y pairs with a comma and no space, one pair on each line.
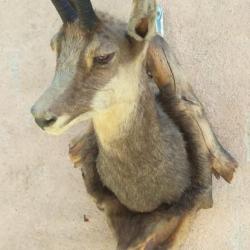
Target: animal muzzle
43,120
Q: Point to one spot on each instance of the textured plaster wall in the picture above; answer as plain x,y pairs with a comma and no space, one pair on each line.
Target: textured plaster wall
42,198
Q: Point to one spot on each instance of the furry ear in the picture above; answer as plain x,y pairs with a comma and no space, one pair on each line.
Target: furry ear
142,20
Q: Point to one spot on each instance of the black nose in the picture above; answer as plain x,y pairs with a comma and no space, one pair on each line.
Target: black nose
45,122
42,118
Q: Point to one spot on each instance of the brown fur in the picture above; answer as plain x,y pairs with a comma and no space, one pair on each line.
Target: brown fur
161,229
155,230
145,160
174,232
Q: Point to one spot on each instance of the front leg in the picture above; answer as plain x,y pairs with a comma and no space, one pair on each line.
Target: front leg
83,152
179,100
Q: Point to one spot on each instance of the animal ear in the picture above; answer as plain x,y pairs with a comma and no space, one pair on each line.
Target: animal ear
142,20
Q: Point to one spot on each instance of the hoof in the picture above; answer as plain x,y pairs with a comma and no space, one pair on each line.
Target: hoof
224,166
205,199
75,155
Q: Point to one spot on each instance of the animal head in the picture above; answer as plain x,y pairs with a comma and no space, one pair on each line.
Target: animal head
94,54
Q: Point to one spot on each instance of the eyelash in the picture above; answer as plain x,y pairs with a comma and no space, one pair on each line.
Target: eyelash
102,60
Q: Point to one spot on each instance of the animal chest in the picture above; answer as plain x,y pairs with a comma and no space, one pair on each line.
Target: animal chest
137,185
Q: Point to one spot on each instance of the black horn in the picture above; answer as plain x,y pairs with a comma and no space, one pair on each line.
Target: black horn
87,14
65,10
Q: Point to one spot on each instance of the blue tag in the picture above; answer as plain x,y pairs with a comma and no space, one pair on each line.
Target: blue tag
160,21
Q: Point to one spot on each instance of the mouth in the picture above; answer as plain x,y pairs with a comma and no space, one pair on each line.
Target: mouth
65,122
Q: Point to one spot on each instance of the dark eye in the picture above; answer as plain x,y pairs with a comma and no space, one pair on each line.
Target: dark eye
104,59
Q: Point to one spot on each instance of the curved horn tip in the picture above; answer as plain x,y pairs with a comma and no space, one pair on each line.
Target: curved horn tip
87,15
65,10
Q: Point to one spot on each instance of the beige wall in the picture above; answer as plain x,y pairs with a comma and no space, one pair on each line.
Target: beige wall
42,198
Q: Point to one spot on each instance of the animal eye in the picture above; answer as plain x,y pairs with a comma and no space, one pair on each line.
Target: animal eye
104,59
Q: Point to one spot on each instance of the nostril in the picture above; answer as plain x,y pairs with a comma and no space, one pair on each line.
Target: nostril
51,121
48,122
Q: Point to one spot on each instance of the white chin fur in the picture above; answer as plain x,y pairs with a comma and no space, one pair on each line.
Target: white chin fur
62,124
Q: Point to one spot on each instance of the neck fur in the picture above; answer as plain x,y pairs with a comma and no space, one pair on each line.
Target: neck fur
118,104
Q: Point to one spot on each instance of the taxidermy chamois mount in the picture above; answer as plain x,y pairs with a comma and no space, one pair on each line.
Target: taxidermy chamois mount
148,156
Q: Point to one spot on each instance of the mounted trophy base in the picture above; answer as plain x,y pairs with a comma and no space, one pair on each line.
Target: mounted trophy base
165,228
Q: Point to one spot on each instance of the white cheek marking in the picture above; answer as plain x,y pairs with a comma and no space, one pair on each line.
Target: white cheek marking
123,88
116,103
